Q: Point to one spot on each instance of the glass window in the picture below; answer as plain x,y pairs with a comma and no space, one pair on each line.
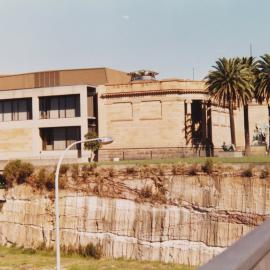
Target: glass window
59,138
16,109
22,109
62,106
54,108
59,106
7,111
1,112
70,106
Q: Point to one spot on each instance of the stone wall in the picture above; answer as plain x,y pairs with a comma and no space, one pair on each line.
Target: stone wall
146,213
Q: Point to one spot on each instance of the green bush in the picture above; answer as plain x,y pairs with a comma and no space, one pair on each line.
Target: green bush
193,170
130,170
208,166
63,169
17,172
75,171
248,172
264,173
94,145
91,250
41,178
29,251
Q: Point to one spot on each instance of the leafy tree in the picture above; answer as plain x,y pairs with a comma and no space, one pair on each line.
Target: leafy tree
230,85
262,84
93,146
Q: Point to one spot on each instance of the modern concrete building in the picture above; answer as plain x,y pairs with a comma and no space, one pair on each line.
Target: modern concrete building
43,112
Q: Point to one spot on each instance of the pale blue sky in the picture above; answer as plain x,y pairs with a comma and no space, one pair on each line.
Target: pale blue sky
168,36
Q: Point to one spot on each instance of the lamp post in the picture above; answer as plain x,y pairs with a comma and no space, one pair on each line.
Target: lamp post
105,140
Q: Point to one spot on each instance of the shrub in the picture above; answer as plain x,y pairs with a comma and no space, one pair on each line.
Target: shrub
88,170
29,251
264,173
111,172
193,169
130,170
75,171
91,250
208,166
63,169
161,170
248,172
92,145
41,177
49,181
178,169
146,192
17,171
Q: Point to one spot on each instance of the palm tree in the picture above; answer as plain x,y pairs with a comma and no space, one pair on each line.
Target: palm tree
250,63
263,84
229,85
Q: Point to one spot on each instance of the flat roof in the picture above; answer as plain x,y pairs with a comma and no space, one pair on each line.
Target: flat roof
63,77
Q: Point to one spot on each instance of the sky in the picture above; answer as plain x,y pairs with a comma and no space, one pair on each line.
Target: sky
172,37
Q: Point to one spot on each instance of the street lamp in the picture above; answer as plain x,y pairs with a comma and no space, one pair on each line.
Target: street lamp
105,140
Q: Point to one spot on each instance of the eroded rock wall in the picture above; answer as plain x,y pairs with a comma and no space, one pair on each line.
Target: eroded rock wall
200,217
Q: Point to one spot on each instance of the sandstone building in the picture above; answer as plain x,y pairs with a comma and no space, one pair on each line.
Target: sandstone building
43,112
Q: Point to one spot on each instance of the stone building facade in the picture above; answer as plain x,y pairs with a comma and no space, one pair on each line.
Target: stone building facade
41,113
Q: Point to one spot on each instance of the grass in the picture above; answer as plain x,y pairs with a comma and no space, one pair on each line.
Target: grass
29,259
192,160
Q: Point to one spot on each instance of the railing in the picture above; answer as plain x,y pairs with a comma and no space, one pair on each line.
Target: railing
252,252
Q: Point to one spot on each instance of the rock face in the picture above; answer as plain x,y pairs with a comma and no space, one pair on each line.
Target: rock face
200,216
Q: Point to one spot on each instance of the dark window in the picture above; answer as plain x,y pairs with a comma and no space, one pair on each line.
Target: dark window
59,138
92,109
15,109
59,106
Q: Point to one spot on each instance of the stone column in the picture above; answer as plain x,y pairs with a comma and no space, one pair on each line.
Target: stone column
188,122
36,141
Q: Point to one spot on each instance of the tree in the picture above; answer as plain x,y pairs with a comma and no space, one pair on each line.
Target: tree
250,63
92,146
262,84
230,85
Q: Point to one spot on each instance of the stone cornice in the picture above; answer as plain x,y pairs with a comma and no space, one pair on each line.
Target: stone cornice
153,92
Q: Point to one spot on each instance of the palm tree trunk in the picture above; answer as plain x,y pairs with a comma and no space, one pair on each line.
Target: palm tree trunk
268,129
233,141
246,129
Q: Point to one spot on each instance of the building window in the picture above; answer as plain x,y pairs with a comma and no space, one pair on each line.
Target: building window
59,138
59,106
92,109
15,109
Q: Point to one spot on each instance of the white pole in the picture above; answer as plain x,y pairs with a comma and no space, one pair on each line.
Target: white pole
57,232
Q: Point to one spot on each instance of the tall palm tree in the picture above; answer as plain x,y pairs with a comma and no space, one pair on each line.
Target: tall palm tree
250,63
263,84
229,85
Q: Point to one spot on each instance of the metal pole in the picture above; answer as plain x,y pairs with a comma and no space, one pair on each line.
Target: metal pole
57,229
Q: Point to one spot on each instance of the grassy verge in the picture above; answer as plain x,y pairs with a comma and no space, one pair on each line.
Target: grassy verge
192,160
28,259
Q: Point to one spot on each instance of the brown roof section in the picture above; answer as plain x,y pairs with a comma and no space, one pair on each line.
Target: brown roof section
88,76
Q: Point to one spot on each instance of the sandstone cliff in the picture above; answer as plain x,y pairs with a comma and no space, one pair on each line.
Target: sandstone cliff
154,215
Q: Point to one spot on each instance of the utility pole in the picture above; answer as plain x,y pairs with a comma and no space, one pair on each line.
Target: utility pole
193,73
250,49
